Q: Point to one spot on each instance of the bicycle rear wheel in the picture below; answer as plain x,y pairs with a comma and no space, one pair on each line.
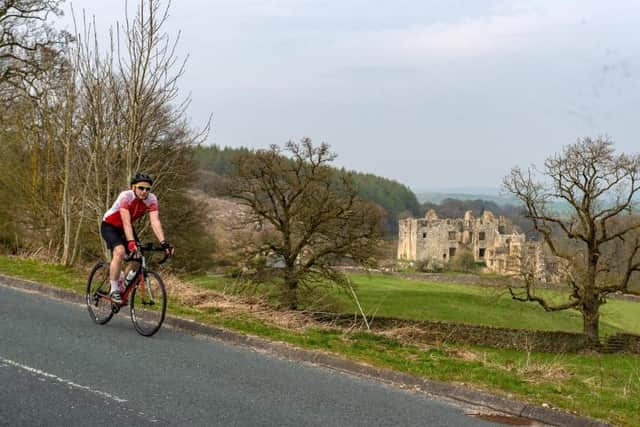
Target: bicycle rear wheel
98,288
148,304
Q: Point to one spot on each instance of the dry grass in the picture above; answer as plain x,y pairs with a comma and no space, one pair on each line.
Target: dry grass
531,371
233,305
544,372
405,334
466,355
534,371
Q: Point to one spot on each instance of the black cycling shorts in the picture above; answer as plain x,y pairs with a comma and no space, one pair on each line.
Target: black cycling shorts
113,235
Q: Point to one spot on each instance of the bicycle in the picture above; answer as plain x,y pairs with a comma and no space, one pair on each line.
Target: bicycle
144,293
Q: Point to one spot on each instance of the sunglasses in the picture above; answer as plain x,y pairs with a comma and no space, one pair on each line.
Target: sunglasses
140,187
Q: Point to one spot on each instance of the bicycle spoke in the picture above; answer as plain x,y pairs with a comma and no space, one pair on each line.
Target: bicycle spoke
97,296
148,304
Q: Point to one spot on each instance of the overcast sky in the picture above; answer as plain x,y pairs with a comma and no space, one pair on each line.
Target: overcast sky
434,94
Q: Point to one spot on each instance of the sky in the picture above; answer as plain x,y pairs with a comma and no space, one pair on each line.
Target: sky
435,94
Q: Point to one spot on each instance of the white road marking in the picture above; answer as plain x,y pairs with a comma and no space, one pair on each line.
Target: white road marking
61,380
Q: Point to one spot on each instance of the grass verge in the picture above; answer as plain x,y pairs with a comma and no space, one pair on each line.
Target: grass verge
596,385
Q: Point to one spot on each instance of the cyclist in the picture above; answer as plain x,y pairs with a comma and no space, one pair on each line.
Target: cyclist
117,225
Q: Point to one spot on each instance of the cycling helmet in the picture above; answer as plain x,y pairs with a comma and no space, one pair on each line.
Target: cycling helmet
141,177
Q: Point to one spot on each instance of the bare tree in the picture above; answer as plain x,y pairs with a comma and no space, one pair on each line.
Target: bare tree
41,158
149,70
596,236
70,126
34,77
98,116
134,119
311,213
29,59
27,42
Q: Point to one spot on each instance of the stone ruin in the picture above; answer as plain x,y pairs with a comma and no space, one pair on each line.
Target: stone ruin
495,242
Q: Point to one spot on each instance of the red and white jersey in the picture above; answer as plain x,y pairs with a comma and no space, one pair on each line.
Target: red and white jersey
136,207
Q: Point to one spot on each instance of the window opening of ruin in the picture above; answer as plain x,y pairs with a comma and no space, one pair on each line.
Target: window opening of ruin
481,235
452,252
452,235
481,253
424,235
501,229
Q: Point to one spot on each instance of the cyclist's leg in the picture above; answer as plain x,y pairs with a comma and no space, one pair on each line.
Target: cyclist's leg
115,239
117,255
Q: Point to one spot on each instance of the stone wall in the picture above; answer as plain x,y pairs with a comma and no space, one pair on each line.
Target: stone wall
518,339
622,343
437,332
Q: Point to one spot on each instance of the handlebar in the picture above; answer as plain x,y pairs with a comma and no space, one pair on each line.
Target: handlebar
149,247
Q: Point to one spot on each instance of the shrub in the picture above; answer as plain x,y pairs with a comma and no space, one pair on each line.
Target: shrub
464,262
431,265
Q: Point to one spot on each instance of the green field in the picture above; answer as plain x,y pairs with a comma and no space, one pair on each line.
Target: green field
390,296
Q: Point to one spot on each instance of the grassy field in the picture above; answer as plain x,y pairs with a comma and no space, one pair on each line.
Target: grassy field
422,300
597,385
391,296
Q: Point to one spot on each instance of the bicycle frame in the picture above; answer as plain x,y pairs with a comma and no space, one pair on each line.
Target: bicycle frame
138,280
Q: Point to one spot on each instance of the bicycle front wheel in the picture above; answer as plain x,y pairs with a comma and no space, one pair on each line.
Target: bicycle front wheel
148,302
98,288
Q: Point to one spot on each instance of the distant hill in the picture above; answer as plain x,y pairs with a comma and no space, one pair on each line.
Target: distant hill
492,191
438,197
489,195
396,198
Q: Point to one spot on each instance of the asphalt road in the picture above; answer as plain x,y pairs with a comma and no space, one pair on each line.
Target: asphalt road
59,368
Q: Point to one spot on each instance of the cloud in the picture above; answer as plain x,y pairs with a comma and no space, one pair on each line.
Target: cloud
257,8
472,38
504,30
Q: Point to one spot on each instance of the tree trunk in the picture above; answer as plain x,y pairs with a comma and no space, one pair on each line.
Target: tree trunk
66,204
591,320
591,301
291,291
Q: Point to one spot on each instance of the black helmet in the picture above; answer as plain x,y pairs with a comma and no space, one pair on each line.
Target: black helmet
141,177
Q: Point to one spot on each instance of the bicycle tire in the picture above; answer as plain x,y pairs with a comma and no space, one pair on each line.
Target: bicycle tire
98,287
148,304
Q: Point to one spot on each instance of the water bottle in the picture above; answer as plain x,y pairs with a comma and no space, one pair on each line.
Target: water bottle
130,275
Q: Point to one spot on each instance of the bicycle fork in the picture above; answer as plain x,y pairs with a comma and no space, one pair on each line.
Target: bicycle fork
146,294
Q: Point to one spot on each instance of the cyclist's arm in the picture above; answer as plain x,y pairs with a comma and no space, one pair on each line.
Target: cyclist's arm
156,226
126,224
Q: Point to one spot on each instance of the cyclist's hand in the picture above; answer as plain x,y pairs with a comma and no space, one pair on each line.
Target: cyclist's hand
132,246
168,249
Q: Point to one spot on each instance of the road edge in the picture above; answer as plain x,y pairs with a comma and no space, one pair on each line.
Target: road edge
459,393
